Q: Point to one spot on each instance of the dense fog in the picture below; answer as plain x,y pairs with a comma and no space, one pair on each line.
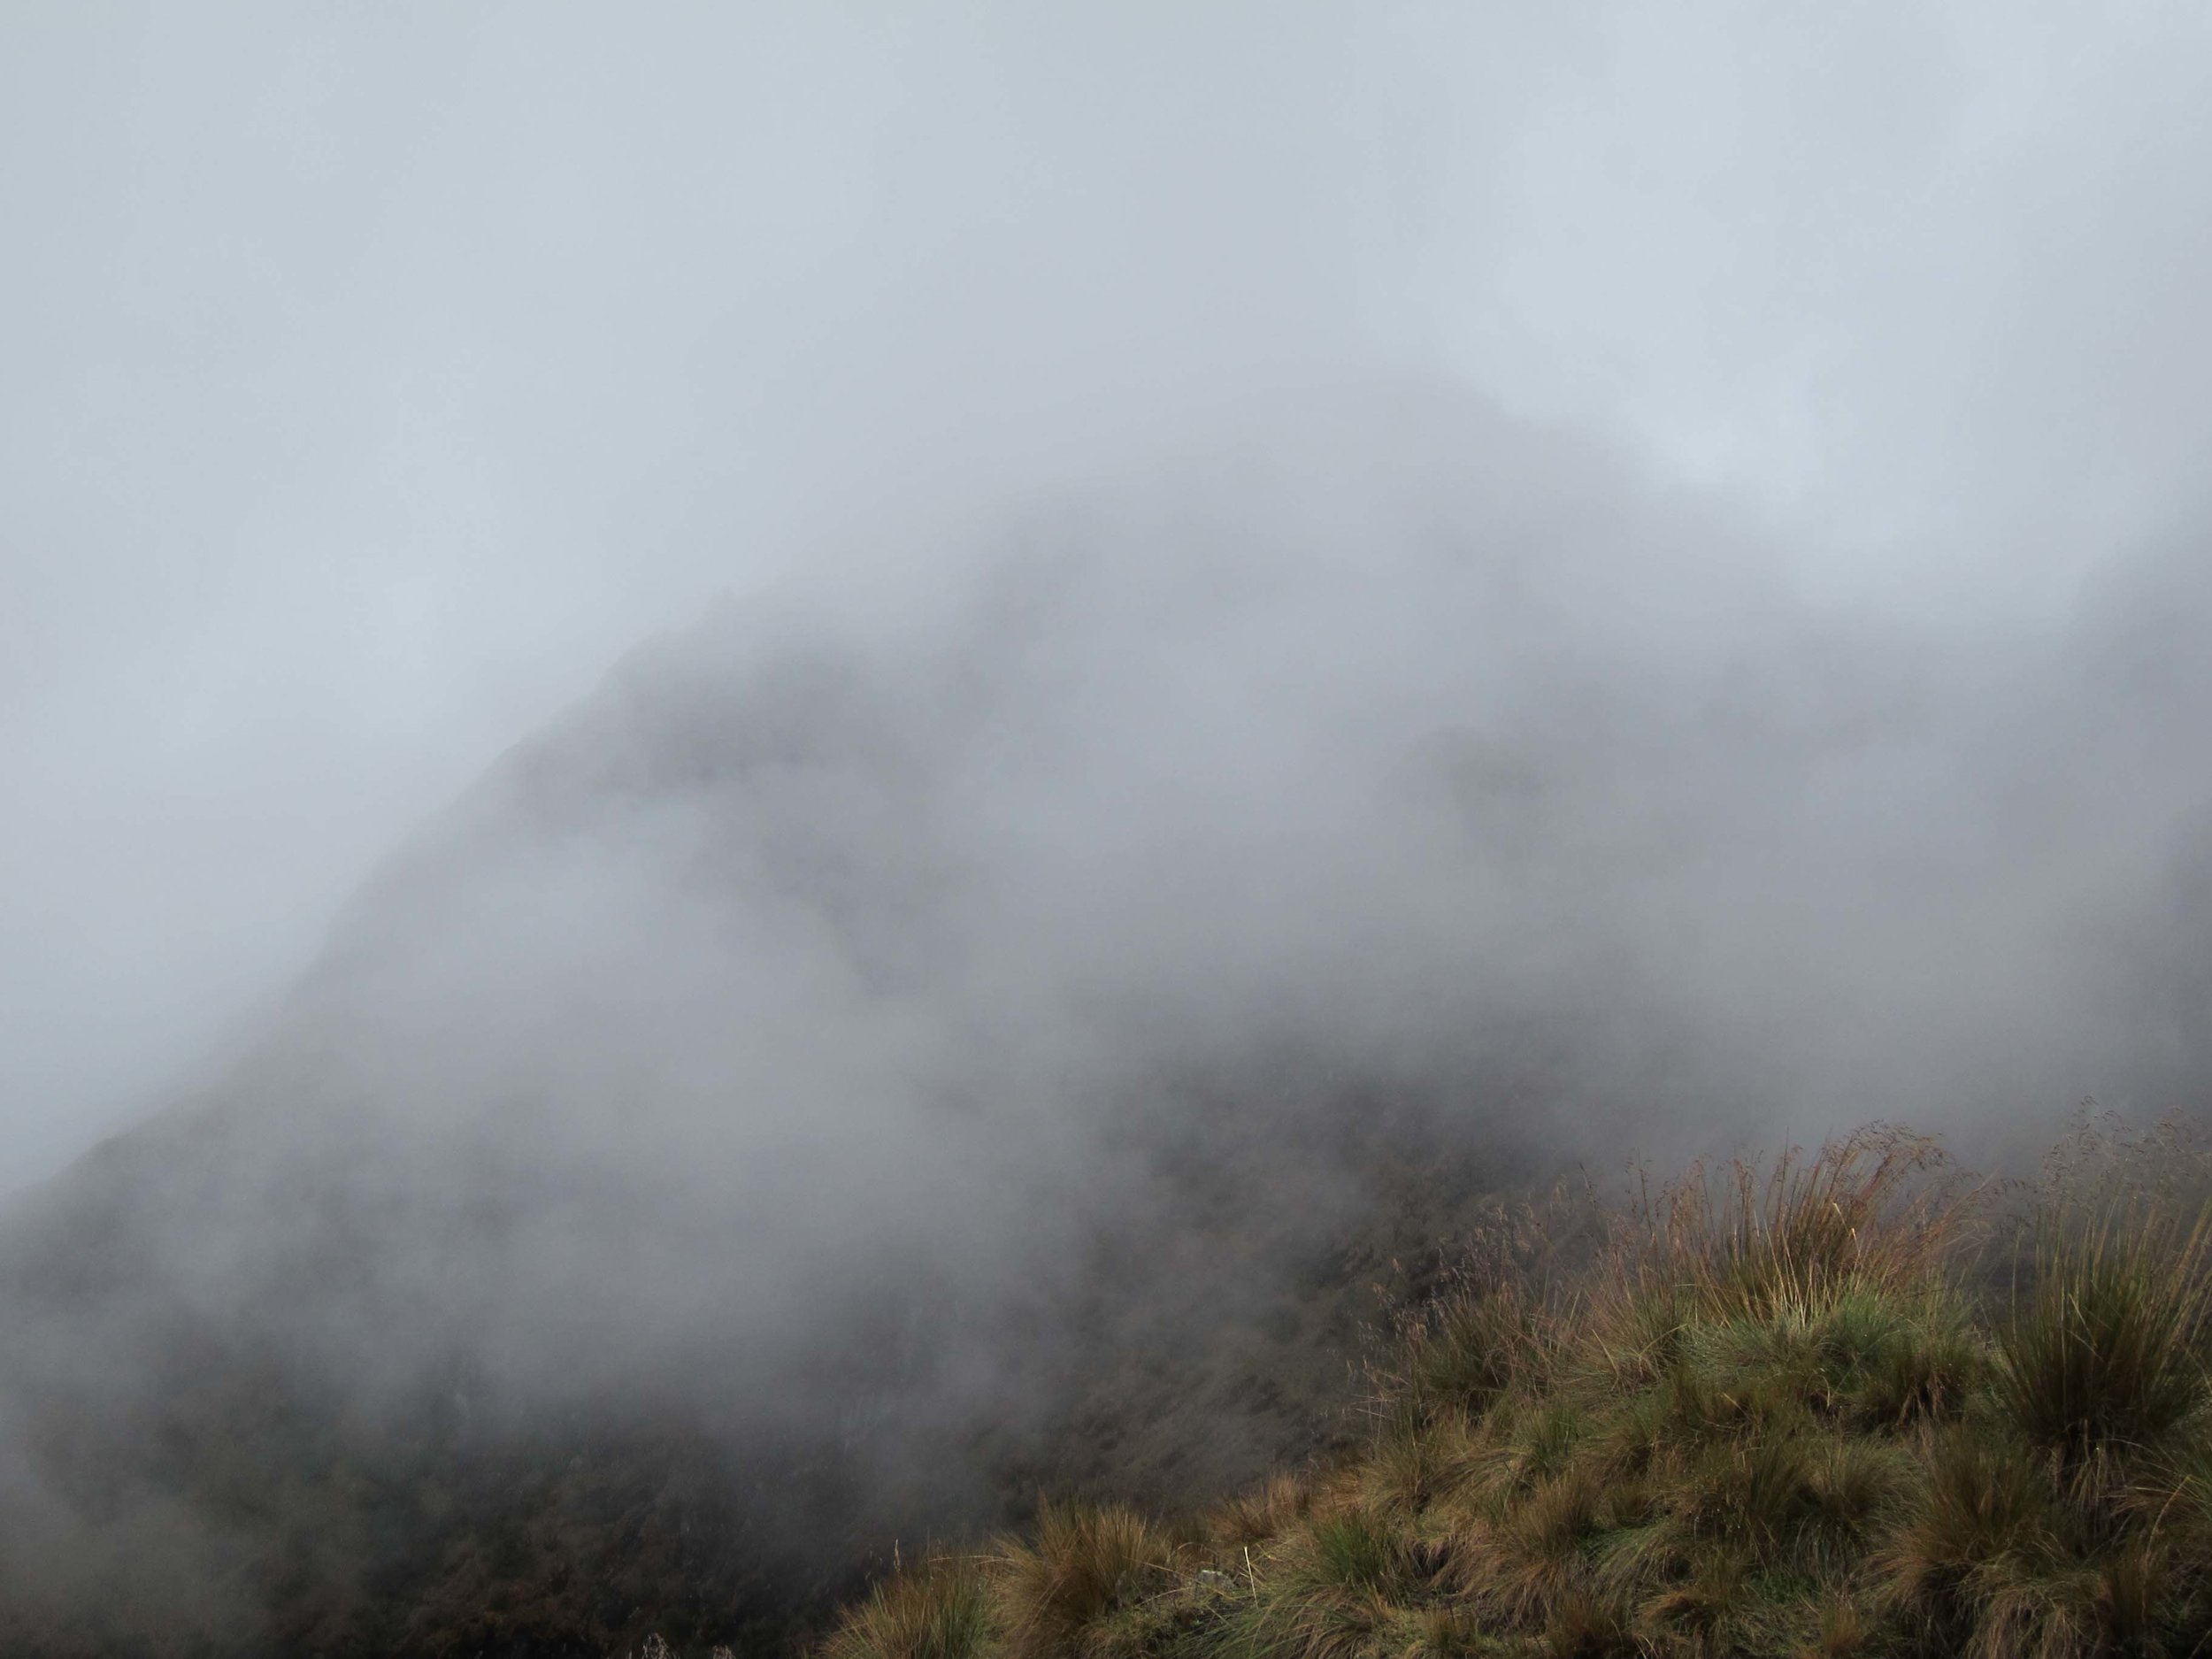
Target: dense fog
378,378
1180,589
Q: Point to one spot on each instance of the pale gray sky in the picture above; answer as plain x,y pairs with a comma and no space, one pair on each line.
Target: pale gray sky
372,377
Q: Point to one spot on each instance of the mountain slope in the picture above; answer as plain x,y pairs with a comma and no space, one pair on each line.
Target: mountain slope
1774,1415
857,1068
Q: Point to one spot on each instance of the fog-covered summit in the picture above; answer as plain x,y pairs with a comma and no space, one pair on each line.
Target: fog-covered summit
779,1039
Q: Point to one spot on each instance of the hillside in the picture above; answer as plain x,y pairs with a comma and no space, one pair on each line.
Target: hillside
256,1500
1785,1409
861,1068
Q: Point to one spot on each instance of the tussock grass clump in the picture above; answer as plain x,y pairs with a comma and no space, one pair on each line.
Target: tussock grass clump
942,1609
1869,1216
1471,1346
1352,1553
2105,1352
1329,1592
1259,1516
1784,1410
1084,1565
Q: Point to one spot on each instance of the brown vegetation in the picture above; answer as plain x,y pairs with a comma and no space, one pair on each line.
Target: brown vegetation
1810,1406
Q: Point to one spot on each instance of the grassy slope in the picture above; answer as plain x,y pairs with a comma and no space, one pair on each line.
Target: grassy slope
1785,1410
